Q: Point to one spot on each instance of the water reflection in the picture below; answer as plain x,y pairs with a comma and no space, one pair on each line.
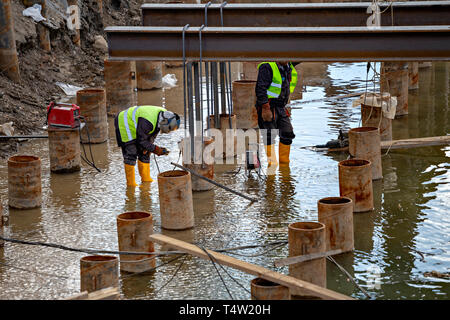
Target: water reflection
410,216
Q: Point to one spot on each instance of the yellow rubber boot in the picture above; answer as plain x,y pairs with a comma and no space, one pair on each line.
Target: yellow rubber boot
129,173
144,171
283,153
271,156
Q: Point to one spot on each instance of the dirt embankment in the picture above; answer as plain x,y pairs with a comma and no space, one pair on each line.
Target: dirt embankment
25,103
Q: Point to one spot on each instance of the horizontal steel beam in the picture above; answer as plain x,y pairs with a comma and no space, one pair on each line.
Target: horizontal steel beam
416,13
423,43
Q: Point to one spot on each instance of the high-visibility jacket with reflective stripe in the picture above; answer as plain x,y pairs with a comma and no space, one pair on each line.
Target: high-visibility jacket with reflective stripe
128,120
274,89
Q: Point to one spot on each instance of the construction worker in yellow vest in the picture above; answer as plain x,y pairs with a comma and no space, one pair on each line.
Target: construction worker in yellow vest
276,81
136,131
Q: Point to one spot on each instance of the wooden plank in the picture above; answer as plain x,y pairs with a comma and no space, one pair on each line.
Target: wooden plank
305,257
417,142
110,293
406,143
79,296
249,268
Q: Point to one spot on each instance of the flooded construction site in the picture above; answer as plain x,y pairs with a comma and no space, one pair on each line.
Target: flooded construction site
205,150
401,247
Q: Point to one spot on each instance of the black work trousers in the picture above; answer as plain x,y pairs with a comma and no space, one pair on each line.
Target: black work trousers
280,121
131,150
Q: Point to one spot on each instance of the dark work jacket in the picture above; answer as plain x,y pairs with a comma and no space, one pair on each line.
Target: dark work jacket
265,76
144,140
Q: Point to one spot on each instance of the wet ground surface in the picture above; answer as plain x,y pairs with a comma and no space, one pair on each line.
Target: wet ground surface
406,236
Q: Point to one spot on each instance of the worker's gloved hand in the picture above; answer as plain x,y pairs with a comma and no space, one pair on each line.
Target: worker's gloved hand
160,151
266,113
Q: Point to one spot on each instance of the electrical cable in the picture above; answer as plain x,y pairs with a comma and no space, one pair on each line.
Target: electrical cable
330,258
173,276
89,162
261,253
152,269
220,276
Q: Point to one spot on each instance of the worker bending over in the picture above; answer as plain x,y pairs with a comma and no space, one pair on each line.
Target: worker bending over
276,81
136,131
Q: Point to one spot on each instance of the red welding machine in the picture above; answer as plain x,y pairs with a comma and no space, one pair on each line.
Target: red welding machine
63,115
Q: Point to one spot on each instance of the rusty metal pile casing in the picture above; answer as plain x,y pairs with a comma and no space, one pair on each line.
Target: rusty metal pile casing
372,116
244,101
24,182
306,238
262,289
175,200
229,149
118,85
9,63
355,182
365,143
98,272
92,103
413,73
204,168
133,231
42,30
336,213
149,74
64,149
394,79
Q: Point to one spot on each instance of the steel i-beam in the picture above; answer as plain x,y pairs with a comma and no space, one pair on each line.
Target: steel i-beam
415,13
345,44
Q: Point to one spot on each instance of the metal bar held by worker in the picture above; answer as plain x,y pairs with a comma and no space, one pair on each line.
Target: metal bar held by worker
215,183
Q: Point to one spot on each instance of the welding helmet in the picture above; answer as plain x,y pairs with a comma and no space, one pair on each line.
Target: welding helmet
168,121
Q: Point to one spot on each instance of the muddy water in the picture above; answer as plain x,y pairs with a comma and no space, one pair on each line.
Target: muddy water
406,236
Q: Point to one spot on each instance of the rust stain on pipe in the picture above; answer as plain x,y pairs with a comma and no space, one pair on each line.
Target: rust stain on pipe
133,230
413,73
149,74
64,150
175,200
336,213
118,86
244,101
355,182
24,182
373,117
98,272
365,143
394,79
9,63
92,103
307,238
262,289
